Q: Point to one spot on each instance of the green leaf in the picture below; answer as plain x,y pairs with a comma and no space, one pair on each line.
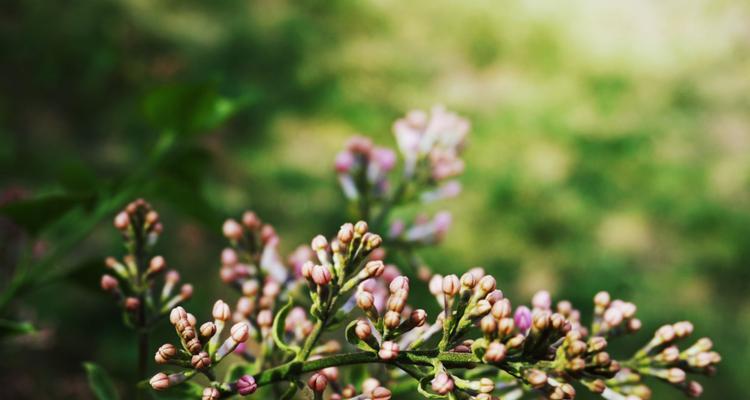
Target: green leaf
99,382
425,388
185,390
352,338
9,328
189,108
278,329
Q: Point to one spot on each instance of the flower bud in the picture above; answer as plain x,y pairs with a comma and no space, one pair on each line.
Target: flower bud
132,303
522,318
495,353
380,393
186,291
675,375
362,329
373,242
232,230
418,317
211,393
486,385
265,319
436,285
251,220
365,300
207,329
109,283
488,325
442,384
360,228
346,233
159,381
374,269
369,385
693,389
194,345
397,301
221,311
246,385
494,296
451,285
307,269
602,299
665,334
487,284
157,264
481,309
122,221
201,360
172,277
177,314
391,319
468,280
229,257
597,344
502,309
317,382
321,275
536,378
165,353
399,283
319,243
542,300
388,350
240,332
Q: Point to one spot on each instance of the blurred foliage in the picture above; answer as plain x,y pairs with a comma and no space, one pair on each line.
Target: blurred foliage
609,150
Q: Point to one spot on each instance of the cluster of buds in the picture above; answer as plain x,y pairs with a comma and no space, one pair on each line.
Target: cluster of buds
132,280
430,144
253,266
201,349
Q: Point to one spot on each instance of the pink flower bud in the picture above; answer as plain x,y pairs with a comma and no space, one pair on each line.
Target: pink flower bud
380,393
346,233
159,381
229,257
365,300
317,382
360,228
157,264
468,280
493,296
488,325
307,269
362,329
388,350
246,385
374,269
251,220
165,353
132,303
186,291
201,360
331,373
502,309
344,161
221,311
522,318
536,378
442,384
319,243
495,353
418,317
240,332
384,157
321,275
122,221
232,230
265,319
399,283
177,314
542,300
602,299
172,277
109,283
451,285
211,393
436,285
391,319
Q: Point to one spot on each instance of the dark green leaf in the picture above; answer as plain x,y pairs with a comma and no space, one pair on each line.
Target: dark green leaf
99,382
9,328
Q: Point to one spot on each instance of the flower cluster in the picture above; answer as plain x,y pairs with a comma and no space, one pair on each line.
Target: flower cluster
132,279
430,144
201,349
477,346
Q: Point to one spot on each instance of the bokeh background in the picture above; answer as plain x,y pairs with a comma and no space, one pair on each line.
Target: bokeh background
610,150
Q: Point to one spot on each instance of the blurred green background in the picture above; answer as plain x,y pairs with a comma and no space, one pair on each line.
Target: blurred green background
610,150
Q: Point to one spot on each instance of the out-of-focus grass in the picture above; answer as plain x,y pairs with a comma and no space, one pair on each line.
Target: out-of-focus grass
609,144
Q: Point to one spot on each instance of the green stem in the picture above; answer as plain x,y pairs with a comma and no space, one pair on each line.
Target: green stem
293,369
